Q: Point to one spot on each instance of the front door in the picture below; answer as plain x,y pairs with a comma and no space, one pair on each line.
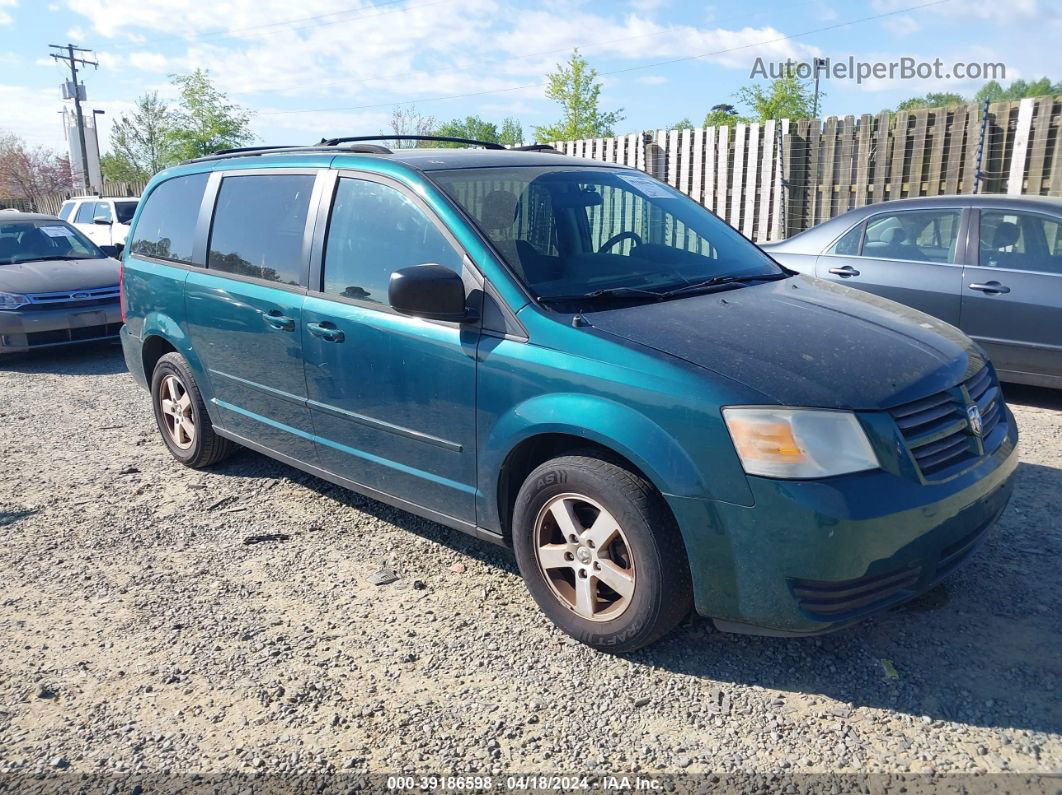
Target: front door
1012,293
392,397
94,219
244,312
908,256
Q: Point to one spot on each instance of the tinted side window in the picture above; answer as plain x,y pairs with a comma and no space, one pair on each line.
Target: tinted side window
259,224
84,213
166,228
921,235
374,231
66,210
1021,241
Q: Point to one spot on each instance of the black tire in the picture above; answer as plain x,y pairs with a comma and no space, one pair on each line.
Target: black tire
206,447
662,594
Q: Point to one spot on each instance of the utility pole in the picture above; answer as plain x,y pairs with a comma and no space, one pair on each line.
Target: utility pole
72,58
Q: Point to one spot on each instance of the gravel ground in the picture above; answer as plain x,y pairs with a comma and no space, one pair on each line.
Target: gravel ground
142,633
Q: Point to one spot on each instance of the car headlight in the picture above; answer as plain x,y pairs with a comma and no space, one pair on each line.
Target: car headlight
799,443
12,300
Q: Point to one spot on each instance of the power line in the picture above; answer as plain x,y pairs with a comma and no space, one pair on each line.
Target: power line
654,65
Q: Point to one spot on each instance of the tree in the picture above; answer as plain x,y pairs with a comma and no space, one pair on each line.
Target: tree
934,99
992,91
683,124
786,98
723,115
31,172
143,142
205,120
575,88
408,121
477,129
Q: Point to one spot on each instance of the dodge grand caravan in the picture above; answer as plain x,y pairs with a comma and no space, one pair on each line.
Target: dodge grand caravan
573,359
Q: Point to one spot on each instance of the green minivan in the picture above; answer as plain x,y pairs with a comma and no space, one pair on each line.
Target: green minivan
575,360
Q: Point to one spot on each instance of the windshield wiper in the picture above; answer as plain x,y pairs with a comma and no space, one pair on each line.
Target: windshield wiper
47,259
721,281
610,292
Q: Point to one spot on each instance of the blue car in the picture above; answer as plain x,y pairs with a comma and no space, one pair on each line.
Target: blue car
572,359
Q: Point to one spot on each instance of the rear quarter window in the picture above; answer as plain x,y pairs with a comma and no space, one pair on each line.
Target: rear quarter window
67,210
166,228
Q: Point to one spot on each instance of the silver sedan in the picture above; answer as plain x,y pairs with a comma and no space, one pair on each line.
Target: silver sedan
991,265
56,286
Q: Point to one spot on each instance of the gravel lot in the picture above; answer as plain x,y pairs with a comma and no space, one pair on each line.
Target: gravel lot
141,633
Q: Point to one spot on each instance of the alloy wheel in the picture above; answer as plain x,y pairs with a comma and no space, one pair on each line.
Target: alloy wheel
584,557
176,406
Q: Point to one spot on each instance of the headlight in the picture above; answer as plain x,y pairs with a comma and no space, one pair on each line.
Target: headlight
12,300
799,443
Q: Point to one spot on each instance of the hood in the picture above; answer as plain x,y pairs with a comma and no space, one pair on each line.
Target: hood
804,342
53,276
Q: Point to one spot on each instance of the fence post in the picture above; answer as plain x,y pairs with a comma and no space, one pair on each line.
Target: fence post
980,148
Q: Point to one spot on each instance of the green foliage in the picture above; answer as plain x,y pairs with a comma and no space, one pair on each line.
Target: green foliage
934,99
477,129
205,120
682,124
575,88
723,115
785,98
141,141
1019,89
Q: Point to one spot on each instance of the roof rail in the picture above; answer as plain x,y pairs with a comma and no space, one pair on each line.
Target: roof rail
437,138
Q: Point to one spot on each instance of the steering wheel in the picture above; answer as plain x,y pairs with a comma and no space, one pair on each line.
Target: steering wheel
619,238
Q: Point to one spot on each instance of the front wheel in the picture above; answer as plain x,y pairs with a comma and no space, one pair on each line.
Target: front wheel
600,553
182,416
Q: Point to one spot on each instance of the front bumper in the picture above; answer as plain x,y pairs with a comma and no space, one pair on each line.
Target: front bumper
29,329
813,556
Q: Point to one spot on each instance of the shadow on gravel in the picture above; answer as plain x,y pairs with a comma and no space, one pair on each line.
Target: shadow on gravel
91,358
982,648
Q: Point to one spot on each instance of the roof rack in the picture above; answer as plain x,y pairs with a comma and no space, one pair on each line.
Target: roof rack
438,138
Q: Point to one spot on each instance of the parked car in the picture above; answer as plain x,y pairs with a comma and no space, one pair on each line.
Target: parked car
991,265
104,220
56,286
573,359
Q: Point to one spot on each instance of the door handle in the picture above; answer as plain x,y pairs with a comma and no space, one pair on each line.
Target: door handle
326,331
844,272
279,320
990,287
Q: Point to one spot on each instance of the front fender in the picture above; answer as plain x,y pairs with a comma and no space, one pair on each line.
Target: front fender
611,424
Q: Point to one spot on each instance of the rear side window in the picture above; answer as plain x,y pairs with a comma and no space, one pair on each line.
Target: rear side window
376,230
84,213
67,210
848,245
259,226
125,211
166,228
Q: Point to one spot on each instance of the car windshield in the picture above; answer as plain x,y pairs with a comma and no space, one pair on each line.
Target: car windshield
26,241
584,232
124,211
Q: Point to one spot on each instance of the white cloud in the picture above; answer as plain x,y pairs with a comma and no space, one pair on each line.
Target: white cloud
901,26
75,34
1008,13
32,113
652,80
6,18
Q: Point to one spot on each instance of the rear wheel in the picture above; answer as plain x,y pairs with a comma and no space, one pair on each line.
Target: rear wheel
182,416
600,553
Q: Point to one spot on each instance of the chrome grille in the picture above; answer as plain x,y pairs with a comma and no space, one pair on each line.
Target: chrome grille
109,293
937,428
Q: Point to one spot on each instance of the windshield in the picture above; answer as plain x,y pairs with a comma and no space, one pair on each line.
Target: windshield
25,241
124,211
569,232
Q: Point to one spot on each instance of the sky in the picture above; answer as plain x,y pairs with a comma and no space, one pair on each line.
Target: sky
322,68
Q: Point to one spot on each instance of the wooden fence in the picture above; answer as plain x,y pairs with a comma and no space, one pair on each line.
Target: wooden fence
774,179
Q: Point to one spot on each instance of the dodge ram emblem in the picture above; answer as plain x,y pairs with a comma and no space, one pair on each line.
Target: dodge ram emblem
974,415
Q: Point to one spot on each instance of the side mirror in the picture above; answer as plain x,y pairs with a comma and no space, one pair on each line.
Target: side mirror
111,251
430,291
101,221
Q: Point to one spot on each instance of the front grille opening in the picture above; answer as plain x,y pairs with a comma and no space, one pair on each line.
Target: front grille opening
937,429
846,599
